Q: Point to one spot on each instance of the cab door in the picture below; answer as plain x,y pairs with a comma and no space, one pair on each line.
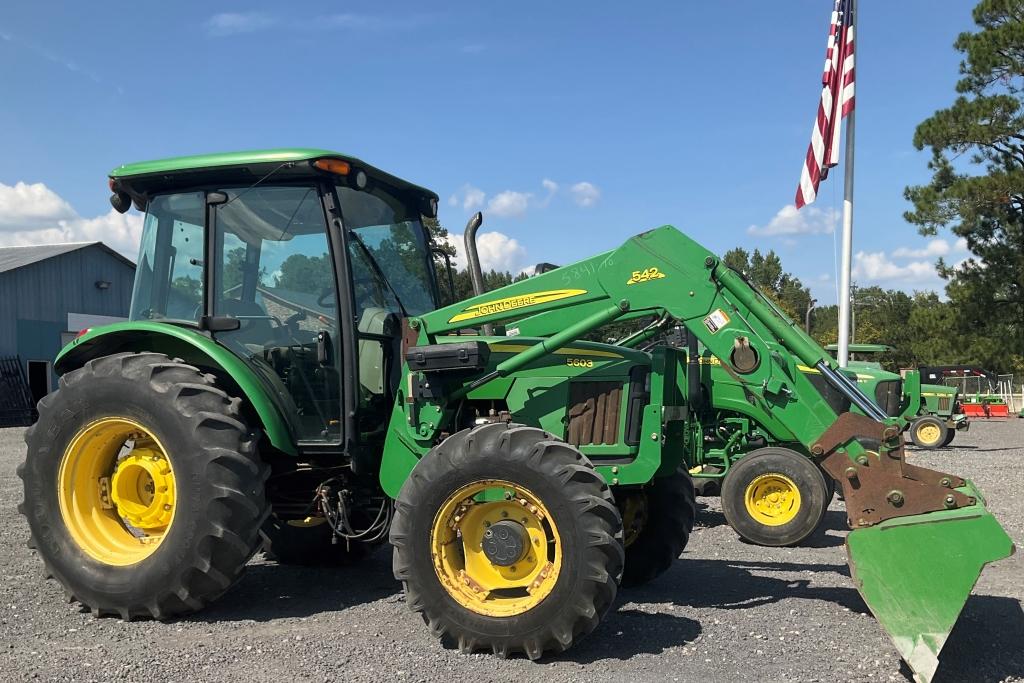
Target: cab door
273,271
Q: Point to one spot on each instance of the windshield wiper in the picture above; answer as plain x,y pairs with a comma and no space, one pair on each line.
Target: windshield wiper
377,269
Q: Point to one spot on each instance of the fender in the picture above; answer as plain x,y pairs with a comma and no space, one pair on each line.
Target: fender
191,346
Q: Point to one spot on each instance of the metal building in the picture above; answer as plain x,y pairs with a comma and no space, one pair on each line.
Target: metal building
48,293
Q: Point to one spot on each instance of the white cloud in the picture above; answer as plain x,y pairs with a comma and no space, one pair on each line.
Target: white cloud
24,206
345,20
500,252
909,267
232,23
509,204
935,248
515,204
497,251
35,214
585,194
366,22
551,189
469,197
809,220
878,267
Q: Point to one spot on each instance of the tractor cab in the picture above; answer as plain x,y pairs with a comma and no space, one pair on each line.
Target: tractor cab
300,262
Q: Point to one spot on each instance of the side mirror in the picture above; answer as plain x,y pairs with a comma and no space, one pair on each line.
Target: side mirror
219,323
121,201
428,206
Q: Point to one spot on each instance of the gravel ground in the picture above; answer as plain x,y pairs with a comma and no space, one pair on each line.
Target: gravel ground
726,611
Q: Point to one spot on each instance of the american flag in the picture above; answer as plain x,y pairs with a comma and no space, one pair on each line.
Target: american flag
836,102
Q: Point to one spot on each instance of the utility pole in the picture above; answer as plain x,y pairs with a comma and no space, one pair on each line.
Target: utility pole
853,313
807,318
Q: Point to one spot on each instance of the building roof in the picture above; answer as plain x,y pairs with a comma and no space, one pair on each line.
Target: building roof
17,257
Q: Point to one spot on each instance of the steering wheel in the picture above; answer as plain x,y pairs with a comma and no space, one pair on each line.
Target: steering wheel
327,299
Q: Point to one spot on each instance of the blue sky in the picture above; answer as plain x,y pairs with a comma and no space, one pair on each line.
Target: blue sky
573,125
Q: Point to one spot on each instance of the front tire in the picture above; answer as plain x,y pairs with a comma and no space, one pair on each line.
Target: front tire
657,522
143,491
505,538
928,431
775,497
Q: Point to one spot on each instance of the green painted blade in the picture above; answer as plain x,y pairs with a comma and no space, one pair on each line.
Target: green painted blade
915,574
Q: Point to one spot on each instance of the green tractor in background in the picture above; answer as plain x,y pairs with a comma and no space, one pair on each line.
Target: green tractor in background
287,366
782,510
933,410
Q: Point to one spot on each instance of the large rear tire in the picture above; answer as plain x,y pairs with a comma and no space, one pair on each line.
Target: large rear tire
505,538
775,497
657,521
950,435
143,491
928,432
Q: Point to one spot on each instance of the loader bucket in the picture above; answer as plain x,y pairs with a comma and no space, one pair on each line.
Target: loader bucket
915,574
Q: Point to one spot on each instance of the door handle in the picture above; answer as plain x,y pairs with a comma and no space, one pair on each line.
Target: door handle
323,348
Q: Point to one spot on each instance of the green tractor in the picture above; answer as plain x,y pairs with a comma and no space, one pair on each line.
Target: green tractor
286,361
933,410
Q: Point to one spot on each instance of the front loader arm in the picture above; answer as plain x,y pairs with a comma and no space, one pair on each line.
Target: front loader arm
665,272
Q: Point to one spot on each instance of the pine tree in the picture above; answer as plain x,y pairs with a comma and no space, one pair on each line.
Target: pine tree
977,186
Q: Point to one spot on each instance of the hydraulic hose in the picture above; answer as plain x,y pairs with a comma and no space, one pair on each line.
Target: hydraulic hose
845,386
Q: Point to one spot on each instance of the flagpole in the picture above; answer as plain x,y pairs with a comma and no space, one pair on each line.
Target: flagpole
843,352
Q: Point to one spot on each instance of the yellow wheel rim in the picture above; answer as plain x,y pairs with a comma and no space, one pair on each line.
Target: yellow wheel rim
514,585
928,433
116,491
634,517
772,499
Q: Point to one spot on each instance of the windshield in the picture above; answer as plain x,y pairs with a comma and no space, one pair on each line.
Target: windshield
392,267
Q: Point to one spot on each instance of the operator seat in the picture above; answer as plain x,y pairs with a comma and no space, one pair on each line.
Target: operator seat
379,362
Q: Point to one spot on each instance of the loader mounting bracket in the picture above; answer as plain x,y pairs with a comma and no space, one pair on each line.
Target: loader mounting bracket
881,486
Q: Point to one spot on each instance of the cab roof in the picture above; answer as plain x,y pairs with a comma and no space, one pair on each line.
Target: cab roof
146,176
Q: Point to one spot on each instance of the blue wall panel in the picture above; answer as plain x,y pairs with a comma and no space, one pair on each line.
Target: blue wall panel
35,299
